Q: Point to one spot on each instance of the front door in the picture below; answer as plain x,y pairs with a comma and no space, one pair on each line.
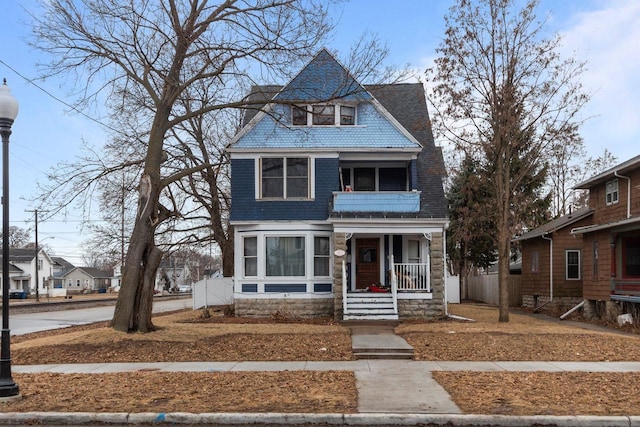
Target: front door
367,262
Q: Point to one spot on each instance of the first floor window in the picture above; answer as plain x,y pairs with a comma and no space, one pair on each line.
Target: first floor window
285,256
596,259
535,262
632,258
250,256
321,256
414,251
573,265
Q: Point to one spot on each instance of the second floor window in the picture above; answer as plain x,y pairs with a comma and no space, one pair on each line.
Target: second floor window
284,177
612,192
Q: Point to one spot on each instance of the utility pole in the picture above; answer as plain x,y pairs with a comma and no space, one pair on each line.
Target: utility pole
35,211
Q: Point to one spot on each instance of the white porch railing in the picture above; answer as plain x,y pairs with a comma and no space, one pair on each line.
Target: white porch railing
394,286
345,285
411,276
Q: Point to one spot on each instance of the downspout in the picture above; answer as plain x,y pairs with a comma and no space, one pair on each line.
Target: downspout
550,267
628,191
444,267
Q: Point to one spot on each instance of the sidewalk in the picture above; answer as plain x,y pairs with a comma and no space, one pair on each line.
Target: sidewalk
390,392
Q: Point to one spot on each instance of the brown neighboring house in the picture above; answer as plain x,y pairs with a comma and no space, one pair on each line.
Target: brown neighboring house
558,284
611,242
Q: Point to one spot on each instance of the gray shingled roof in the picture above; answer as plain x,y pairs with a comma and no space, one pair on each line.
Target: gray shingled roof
556,224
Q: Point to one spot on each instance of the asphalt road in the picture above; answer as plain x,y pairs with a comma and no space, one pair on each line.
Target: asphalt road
20,324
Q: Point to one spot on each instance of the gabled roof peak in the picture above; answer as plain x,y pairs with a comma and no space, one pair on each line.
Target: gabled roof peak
323,79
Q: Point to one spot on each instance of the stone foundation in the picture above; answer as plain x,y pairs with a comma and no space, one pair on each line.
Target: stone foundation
558,306
420,309
610,310
286,308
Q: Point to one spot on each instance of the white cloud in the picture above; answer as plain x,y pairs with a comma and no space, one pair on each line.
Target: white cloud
608,39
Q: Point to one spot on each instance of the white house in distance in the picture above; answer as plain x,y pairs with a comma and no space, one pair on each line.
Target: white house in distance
23,277
87,279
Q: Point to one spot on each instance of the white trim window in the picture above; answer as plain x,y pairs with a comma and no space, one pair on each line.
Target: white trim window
612,195
284,178
323,115
285,256
250,256
535,262
321,256
572,264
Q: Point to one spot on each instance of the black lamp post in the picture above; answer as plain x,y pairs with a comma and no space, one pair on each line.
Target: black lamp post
8,113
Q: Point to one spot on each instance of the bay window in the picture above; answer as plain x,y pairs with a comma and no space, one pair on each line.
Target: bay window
321,256
285,256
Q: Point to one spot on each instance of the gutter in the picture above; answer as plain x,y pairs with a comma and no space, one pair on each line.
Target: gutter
617,175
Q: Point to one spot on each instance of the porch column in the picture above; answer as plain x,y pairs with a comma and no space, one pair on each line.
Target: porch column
339,243
437,270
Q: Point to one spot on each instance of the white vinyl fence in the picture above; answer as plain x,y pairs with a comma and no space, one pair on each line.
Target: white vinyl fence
211,292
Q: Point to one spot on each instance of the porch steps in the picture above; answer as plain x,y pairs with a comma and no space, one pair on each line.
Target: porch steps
370,306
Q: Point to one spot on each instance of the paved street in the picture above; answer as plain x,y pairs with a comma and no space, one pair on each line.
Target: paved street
34,322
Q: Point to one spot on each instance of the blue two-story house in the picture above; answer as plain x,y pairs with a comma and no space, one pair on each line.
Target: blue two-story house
337,195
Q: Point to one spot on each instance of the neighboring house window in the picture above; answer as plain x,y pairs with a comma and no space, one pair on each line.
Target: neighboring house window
596,260
284,178
78,282
250,256
40,264
535,262
321,256
285,256
572,258
347,115
631,258
612,192
324,114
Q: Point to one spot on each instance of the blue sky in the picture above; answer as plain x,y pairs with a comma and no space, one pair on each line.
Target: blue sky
603,32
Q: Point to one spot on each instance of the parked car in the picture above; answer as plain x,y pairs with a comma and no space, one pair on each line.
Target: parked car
184,289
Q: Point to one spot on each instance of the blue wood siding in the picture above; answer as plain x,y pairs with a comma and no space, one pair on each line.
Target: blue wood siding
245,207
274,287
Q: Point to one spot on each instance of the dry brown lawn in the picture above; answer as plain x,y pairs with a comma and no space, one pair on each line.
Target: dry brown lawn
186,336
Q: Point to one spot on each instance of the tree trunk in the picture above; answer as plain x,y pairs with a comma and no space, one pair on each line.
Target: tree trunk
504,246
135,299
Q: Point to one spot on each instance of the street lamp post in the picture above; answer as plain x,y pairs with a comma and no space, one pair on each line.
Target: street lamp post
8,113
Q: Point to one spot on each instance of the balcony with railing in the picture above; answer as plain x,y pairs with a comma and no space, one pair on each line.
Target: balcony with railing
374,201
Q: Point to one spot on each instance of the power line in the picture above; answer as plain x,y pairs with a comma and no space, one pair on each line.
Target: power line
30,81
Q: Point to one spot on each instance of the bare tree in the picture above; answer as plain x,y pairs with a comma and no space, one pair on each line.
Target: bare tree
504,96
18,237
144,55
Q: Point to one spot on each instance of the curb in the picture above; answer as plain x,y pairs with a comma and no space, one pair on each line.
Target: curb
235,419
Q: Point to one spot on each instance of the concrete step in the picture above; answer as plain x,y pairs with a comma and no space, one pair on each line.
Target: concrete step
352,316
370,311
380,355
357,300
370,306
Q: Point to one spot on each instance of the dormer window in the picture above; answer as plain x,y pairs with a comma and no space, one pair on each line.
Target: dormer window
347,115
612,192
299,116
323,115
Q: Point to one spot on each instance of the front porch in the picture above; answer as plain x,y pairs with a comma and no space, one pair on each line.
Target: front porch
368,286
